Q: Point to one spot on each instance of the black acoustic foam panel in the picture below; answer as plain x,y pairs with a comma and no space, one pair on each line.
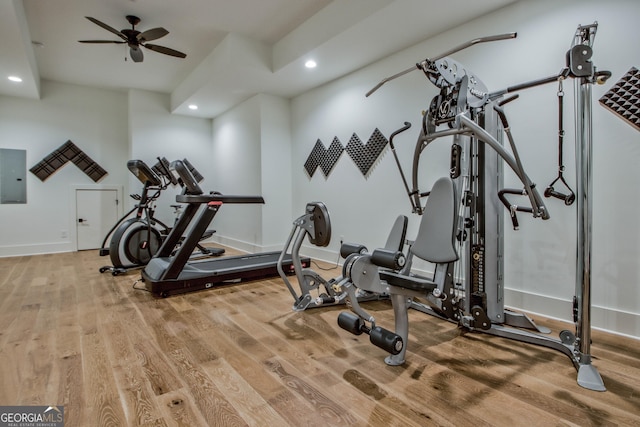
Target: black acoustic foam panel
363,155
623,99
323,157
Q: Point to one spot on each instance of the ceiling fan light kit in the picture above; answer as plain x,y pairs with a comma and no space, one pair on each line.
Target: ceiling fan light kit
134,39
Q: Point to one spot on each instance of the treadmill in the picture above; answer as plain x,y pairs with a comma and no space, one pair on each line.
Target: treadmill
168,274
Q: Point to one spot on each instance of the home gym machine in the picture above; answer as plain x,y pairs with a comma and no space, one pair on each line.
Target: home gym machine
134,240
357,267
467,287
171,272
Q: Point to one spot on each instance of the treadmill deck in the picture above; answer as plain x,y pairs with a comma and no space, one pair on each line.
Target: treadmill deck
206,274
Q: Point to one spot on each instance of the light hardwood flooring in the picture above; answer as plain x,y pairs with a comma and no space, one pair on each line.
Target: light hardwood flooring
238,355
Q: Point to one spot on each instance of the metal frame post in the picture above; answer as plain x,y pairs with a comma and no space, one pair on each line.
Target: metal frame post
588,375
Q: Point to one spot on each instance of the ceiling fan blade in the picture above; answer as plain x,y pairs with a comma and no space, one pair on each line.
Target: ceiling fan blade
165,50
136,54
102,41
152,34
106,27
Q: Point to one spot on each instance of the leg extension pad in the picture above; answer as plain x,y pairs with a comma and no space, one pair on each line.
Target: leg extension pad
380,337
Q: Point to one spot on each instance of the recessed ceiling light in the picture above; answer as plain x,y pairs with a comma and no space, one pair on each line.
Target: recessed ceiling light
193,107
310,64
15,79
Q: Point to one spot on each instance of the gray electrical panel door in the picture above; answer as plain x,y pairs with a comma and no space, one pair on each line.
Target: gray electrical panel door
13,176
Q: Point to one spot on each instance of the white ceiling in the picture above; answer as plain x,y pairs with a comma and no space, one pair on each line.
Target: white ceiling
235,48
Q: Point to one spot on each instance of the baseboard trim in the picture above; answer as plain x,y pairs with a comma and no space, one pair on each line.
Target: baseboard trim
36,249
236,244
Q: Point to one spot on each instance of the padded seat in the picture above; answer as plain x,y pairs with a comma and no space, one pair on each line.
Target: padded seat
415,283
435,243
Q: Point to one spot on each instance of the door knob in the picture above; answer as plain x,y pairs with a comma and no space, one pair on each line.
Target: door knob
80,220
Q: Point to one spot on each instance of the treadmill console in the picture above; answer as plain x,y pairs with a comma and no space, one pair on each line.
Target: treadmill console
144,173
189,181
193,170
162,167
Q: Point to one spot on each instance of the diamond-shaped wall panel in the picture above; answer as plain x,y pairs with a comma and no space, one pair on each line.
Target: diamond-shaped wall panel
623,99
68,152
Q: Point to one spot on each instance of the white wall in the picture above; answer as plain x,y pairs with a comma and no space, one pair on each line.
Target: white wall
252,156
155,132
237,170
540,258
275,120
93,119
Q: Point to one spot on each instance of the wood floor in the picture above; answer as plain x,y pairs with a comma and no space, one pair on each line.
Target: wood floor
238,355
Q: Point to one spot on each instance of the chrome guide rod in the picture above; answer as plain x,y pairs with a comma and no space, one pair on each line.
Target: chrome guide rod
588,376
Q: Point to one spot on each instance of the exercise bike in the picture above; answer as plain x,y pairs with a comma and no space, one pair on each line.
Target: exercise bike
134,240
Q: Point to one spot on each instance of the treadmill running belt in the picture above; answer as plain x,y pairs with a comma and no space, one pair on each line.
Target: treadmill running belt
220,271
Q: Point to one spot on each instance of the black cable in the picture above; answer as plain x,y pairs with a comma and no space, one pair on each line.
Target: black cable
327,268
560,128
550,191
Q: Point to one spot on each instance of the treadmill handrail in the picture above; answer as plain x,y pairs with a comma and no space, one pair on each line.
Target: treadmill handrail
224,198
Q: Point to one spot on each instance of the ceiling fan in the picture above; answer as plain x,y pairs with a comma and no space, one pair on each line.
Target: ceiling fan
135,39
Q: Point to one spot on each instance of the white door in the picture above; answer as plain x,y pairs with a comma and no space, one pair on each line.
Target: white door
96,213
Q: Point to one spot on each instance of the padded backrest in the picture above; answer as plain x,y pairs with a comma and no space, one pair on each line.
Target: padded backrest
436,236
395,241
